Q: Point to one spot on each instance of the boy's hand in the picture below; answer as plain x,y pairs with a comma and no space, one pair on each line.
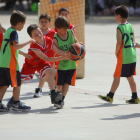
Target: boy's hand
116,54
137,46
32,41
66,56
28,56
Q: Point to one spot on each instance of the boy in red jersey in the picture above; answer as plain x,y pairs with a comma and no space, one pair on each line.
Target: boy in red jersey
64,11
44,21
40,61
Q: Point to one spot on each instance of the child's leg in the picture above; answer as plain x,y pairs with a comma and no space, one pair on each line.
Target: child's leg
132,84
2,91
115,84
50,78
65,89
16,93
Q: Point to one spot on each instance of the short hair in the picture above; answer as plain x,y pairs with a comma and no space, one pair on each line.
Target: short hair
62,22
122,11
31,28
63,9
16,17
45,16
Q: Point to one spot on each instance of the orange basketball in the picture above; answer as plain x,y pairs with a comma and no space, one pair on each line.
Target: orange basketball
77,51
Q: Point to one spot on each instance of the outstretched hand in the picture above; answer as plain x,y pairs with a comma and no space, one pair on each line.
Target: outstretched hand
66,56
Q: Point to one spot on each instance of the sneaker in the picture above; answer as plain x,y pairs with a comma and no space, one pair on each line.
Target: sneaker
56,97
11,102
38,93
3,108
133,101
20,107
59,105
106,98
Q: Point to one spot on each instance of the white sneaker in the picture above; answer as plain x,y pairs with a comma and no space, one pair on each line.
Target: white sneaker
38,93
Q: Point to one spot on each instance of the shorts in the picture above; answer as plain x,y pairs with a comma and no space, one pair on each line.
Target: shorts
9,77
125,70
28,71
66,76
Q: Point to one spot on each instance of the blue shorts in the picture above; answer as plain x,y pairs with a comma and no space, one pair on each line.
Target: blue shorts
9,77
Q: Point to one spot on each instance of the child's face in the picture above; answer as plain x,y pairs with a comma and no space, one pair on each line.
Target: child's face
118,18
65,13
20,26
44,23
37,35
62,31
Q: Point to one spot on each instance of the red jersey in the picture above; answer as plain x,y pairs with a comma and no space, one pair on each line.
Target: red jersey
1,38
35,61
50,33
71,27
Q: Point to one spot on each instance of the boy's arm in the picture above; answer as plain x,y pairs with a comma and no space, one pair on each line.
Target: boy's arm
75,39
56,48
119,42
42,56
25,55
2,28
21,45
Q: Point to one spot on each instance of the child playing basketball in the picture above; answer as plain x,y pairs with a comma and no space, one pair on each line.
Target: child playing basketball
66,73
40,61
126,56
9,67
44,21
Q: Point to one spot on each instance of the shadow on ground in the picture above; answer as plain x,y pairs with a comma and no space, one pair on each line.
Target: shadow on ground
49,110
98,106
122,117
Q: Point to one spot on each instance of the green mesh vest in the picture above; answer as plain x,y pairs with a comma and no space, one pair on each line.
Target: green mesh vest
8,54
128,53
65,45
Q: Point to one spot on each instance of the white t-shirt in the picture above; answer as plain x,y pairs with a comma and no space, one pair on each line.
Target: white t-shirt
101,3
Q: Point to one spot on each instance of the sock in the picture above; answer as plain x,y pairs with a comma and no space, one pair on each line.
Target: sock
63,98
134,95
110,94
15,102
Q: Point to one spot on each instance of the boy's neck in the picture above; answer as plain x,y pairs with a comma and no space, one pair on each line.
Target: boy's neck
123,21
44,30
14,27
63,37
42,42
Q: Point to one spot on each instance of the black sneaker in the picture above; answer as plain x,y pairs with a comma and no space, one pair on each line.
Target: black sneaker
3,108
56,97
10,102
20,107
59,105
38,93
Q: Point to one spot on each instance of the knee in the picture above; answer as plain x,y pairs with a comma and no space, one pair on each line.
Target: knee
49,72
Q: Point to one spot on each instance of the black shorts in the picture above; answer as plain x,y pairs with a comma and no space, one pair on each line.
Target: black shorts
66,76
9,77
125,70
